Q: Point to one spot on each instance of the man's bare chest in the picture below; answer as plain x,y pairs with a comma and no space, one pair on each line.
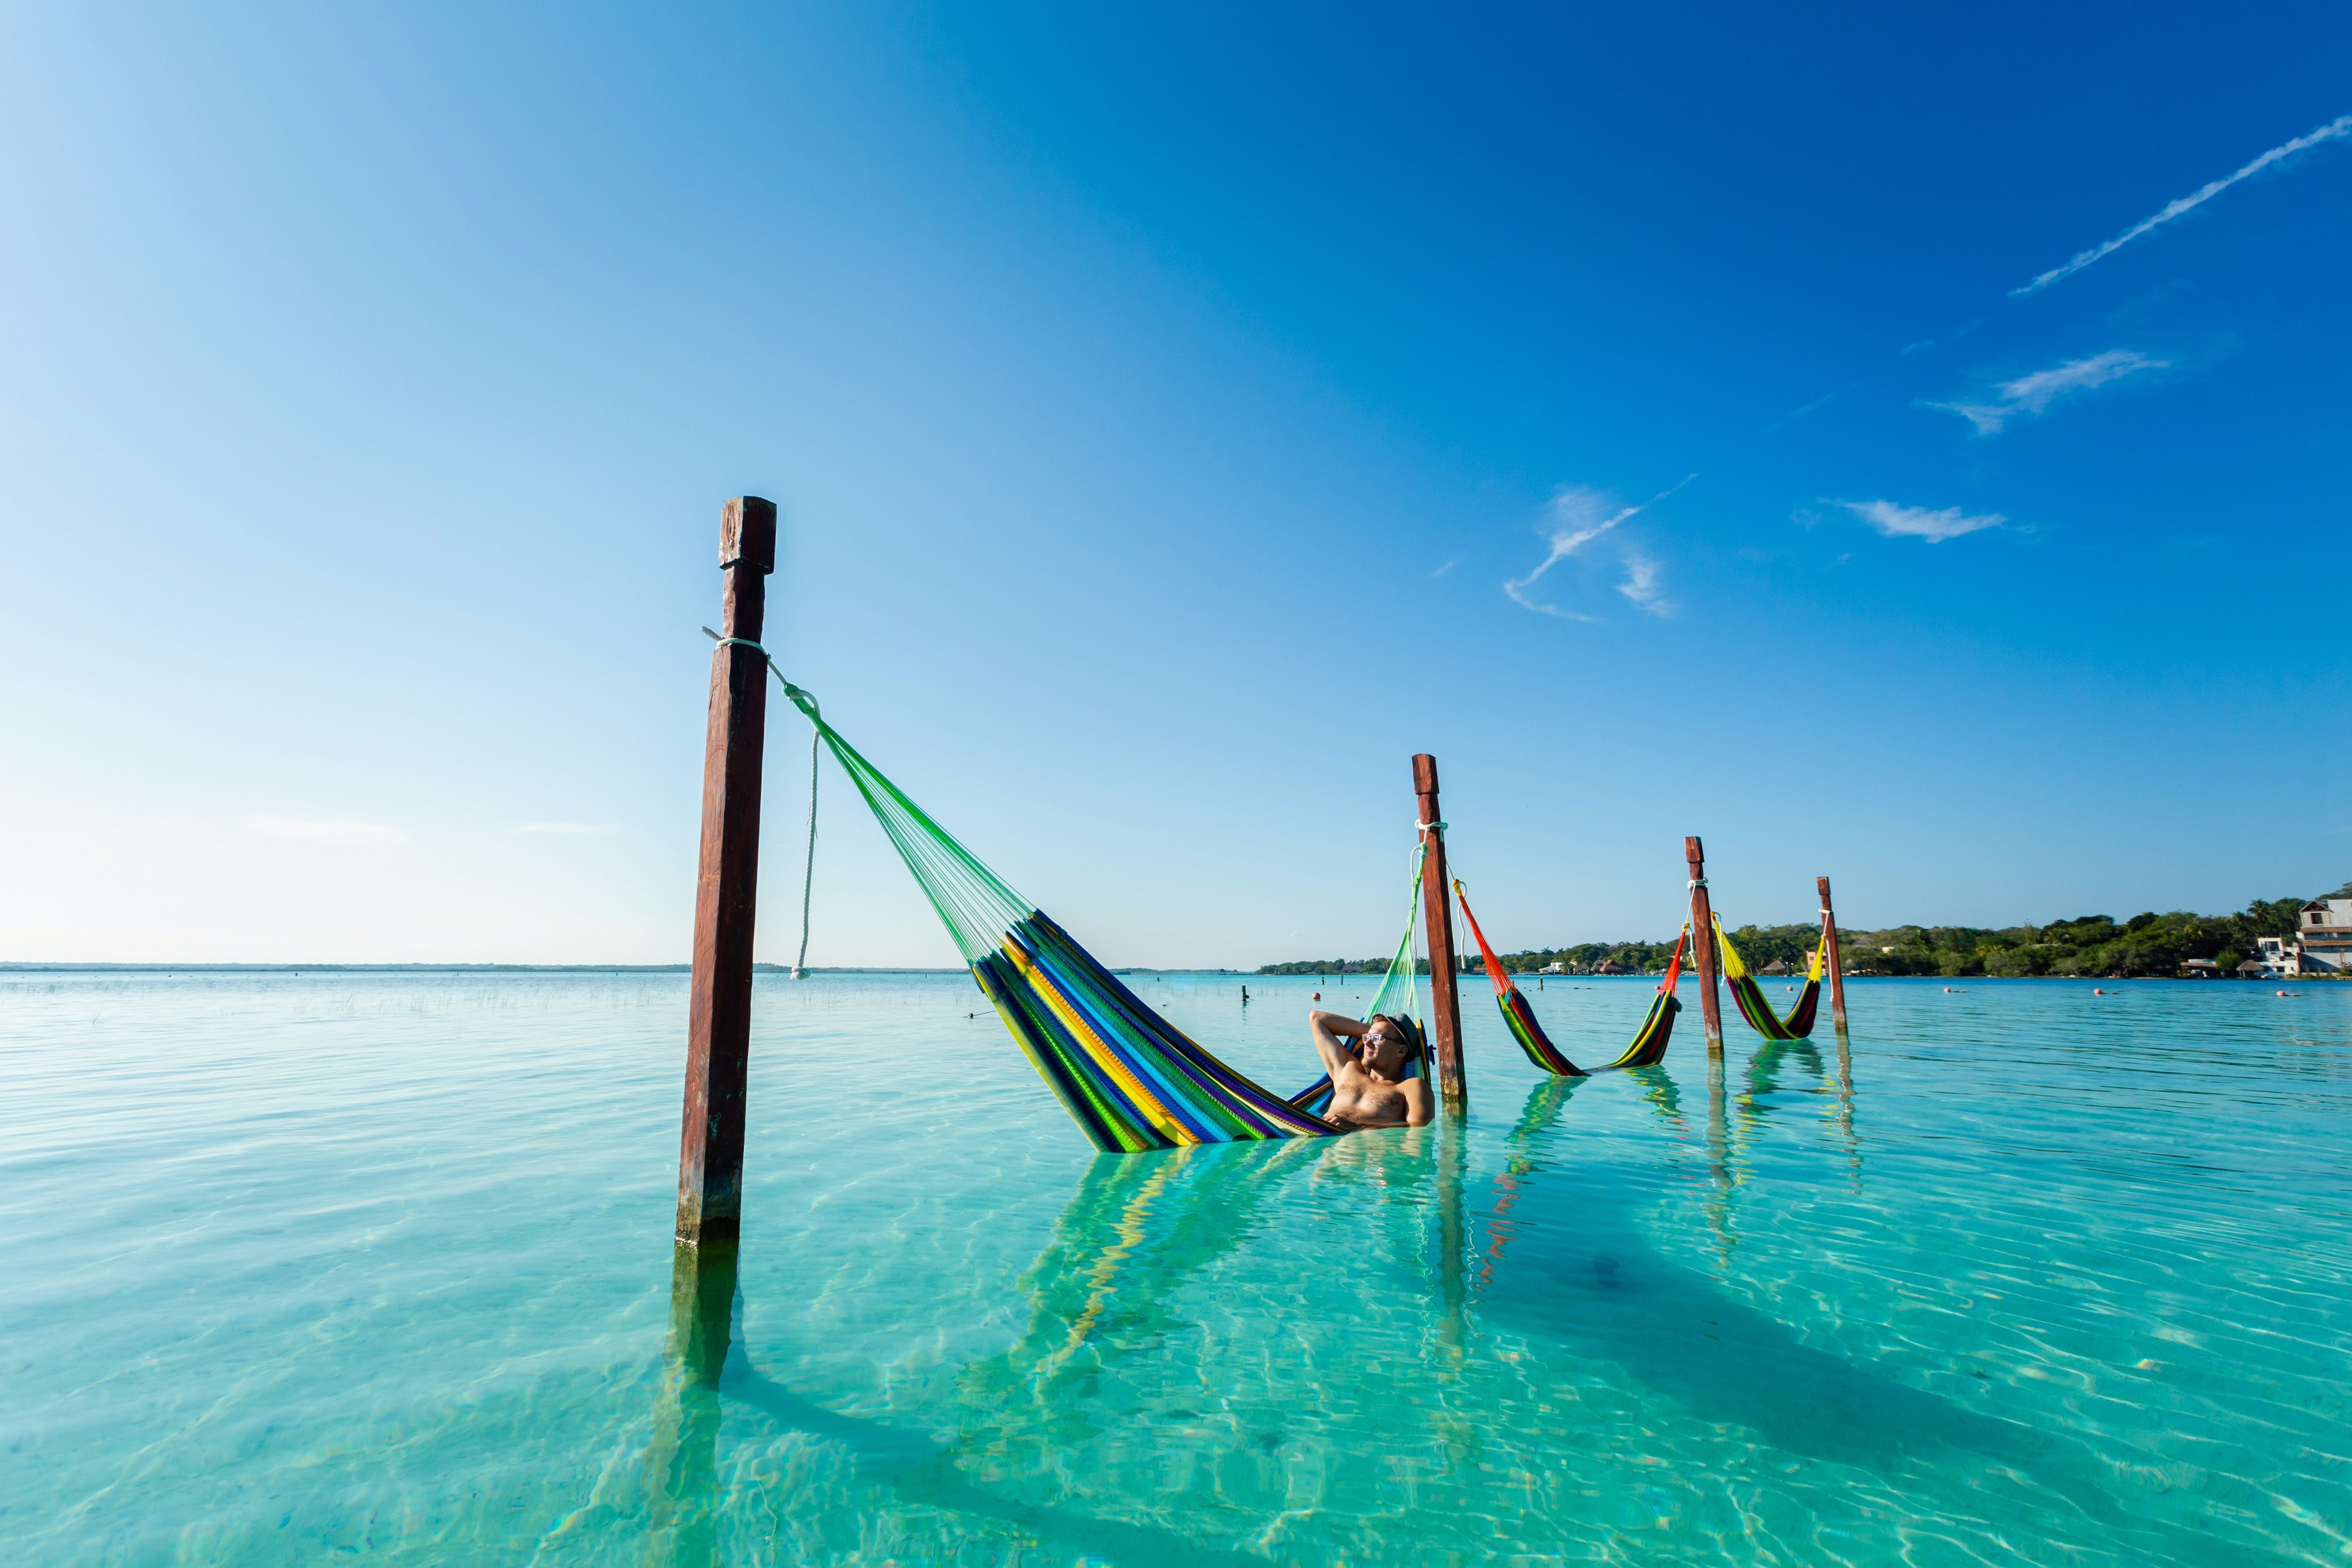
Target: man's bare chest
1358,1097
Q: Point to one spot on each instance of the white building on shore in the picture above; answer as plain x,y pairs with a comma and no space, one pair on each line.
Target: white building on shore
2324,926
2280,956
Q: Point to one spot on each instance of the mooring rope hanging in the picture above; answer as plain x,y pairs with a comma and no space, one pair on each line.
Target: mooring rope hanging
1129,1077
808,864
817,740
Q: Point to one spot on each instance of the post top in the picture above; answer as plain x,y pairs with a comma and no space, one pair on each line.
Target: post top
1424,773
747,533
1823,884
1692,849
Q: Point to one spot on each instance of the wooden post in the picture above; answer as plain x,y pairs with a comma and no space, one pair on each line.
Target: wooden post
1830,960
719,1016
1703,944
1436,901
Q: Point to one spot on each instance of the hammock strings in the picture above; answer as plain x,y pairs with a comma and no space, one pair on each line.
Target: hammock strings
1129,1079
1648,1047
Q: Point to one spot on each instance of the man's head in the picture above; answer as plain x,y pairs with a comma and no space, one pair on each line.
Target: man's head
1387,1046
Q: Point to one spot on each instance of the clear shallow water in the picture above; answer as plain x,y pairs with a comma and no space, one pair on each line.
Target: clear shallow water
293,1270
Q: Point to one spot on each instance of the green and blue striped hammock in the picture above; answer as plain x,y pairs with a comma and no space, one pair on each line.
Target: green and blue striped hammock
1749,997
1129,1079
1649,1046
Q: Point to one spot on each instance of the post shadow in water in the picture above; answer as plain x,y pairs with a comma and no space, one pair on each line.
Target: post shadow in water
1591,1283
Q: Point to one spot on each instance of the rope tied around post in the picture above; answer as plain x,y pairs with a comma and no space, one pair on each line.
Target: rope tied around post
806,704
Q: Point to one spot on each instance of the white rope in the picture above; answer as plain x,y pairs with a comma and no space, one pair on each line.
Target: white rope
808,864
808,871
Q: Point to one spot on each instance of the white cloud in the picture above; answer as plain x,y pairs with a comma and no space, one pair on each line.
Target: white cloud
1918,522
565,827
2338,127
2034,393
1579,515
1640,586
325,831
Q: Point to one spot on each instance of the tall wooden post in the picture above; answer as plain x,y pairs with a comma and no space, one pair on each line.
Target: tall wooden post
718,1017
1446,1013
1703,944
1837,971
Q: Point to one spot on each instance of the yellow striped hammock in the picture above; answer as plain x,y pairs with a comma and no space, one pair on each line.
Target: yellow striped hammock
1129,1079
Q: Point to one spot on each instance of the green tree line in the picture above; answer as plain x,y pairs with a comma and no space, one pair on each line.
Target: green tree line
2146,944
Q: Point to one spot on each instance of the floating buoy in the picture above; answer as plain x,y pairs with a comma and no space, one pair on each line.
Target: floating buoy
2096,992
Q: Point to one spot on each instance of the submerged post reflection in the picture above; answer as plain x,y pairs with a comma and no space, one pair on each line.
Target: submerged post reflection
1844,1114
1453,1244
1718,1159
682,1466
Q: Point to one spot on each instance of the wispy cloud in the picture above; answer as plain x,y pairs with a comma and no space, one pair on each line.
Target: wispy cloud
1577,516
2335,129
565,827
325,831
2032,393
1640,586
1917,522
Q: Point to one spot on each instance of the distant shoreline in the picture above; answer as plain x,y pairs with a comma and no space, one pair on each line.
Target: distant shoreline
32,968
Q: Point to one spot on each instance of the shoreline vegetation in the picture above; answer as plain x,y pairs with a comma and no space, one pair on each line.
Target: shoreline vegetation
2146,944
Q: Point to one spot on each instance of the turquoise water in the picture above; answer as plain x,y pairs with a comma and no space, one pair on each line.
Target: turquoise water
295,1270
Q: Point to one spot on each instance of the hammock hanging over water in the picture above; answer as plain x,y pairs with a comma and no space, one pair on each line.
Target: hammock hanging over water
1649,1046
1128,1077
1749,997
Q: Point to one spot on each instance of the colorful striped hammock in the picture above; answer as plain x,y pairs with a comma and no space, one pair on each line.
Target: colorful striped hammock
1649,1046
1129,1079
1749,997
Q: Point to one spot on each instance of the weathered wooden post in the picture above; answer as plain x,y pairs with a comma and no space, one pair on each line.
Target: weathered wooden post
1703,944
1445,1014
718,1017
1830,958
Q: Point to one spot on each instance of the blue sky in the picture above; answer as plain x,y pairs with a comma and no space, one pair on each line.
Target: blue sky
1179,419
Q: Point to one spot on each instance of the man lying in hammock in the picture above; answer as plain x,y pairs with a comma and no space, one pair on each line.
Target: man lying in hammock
1369,1087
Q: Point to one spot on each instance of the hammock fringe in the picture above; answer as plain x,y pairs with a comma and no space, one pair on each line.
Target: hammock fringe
1131,1079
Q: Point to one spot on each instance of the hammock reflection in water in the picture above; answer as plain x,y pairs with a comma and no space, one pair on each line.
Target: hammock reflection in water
707,1368
1110,1286
1183,1390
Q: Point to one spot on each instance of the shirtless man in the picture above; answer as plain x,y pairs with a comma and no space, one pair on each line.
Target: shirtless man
1369,1088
